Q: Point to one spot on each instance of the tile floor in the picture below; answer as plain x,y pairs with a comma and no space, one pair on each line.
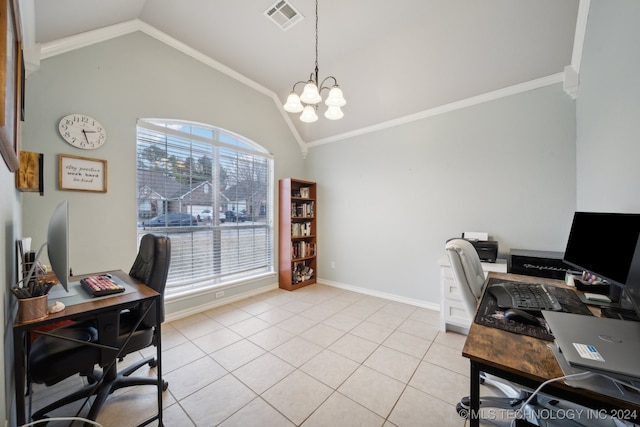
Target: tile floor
318,356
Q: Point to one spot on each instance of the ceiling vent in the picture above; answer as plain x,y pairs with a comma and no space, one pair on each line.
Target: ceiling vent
283,14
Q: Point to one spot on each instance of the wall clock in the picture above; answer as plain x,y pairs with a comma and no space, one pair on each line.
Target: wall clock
82,131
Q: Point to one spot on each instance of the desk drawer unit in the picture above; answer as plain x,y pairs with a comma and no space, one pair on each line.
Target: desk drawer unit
453,316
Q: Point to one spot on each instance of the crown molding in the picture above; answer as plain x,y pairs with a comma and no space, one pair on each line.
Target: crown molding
569,78
581,31
78,41
572,72
447,108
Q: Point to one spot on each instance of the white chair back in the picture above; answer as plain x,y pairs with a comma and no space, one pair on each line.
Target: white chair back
467,272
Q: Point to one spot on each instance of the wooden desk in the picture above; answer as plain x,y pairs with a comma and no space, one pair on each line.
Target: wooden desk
106,310
526,361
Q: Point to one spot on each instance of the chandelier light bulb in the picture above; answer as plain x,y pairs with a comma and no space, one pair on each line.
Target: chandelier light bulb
293,104
335,98
310,94
309,114
334,113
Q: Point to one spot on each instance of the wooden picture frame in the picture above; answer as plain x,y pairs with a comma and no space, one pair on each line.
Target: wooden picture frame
30,178
82,174
11,83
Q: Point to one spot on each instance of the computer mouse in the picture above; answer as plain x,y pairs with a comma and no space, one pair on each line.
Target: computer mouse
521,316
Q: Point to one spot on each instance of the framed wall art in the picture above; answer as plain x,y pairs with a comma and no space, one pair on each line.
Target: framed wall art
11,83
82,174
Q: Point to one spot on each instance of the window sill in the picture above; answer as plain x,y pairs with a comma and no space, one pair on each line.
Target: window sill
213,288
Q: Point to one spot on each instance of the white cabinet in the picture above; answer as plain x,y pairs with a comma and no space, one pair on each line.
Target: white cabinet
453,316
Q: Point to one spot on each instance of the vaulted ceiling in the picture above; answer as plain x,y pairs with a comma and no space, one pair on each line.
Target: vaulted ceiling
392,59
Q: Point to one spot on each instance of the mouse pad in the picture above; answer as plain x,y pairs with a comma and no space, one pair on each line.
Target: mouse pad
489,314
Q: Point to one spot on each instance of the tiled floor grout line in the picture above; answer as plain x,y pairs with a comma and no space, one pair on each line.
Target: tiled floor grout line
334,390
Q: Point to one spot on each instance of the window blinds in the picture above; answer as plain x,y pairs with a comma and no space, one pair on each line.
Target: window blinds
186,168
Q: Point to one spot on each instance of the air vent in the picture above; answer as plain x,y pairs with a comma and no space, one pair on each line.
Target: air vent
283,14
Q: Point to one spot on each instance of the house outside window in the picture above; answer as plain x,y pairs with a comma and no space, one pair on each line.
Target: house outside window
211,192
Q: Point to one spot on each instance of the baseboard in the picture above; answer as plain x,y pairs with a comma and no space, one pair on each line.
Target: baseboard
384,295
237,297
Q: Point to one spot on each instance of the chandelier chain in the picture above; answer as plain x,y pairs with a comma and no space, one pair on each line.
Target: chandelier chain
317,78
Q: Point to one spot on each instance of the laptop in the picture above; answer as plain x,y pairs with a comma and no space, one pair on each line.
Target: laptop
603,345
598,383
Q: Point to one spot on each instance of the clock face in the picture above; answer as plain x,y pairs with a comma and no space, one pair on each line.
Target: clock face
82,131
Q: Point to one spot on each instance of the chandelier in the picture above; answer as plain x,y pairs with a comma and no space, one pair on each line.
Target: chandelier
307,102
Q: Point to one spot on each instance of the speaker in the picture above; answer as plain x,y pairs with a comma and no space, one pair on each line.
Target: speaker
538,263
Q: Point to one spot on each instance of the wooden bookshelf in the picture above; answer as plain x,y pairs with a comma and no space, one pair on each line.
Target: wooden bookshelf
297,239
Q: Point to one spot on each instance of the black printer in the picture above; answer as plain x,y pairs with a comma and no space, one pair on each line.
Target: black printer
487,249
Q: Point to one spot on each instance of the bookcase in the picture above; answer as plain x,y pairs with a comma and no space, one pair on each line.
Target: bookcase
297,238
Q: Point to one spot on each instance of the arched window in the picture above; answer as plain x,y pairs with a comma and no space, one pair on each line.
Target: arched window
211,192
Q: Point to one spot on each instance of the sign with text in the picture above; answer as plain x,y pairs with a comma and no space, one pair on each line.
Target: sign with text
82,174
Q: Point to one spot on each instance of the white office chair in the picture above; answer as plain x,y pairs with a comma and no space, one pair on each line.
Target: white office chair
469,277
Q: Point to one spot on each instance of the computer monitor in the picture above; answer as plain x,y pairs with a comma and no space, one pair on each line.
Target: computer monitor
603,244
57,245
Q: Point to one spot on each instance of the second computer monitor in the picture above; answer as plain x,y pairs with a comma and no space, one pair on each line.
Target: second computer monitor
603,244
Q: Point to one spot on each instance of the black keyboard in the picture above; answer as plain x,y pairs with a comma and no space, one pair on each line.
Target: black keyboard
525,296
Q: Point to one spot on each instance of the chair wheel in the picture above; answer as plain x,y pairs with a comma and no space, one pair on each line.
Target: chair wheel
463,412
165,385
153,363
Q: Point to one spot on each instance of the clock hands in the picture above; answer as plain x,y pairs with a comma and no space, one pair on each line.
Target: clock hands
85,132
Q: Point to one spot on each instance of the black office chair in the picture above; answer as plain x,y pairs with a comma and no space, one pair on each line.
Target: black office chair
52,359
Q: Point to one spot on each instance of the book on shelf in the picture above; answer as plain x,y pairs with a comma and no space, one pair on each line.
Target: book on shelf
301,272
301,229
303,249
302,210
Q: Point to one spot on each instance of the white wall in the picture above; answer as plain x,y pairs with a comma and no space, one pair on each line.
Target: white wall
608,109
117,82
9,233
389,200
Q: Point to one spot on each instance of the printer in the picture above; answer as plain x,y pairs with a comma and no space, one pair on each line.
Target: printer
487,249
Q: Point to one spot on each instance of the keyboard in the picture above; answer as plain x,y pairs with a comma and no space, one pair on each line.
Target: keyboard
525,296
99,286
